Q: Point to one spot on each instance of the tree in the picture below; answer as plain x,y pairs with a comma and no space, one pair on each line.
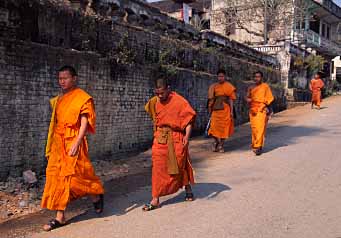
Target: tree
268,19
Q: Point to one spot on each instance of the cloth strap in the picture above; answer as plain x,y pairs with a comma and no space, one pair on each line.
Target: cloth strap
166,137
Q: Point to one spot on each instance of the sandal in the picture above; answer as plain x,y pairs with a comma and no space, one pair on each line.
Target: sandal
221,149
258,151
99,204
54,224
149,207
189,197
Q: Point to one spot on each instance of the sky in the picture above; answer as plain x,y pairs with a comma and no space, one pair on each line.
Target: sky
338,2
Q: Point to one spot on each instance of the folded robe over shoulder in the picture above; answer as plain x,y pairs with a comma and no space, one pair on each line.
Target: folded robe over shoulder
69,178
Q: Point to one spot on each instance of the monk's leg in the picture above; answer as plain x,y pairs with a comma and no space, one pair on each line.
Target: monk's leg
215,144
98,202
155,201
221,145
189,193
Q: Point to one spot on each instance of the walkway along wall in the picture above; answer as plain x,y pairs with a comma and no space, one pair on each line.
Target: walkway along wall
117,55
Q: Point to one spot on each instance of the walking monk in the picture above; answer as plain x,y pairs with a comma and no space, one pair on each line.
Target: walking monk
173,120
315,87
69,172
220,105
259,98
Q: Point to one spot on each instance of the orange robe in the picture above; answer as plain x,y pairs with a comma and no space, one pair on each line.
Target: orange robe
315,86
261,97
221,121
172,116
69,178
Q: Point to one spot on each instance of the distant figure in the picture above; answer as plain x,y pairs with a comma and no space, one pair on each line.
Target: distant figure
315,86
173,118
220,105
69,173
259,98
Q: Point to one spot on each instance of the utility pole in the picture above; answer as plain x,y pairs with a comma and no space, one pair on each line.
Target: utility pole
265,22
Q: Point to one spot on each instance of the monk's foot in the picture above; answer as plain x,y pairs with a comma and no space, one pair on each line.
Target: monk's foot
258,151
54,224
154,204
189,197
220,148
150,207
99,204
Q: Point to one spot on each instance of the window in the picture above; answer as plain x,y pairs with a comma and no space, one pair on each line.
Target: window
324,30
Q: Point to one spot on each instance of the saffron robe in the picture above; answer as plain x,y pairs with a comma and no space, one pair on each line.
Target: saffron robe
171,119
69,178
261,97
221,121
315,87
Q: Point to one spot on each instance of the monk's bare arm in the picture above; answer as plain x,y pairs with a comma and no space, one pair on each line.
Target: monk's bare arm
248,95
187,135
82,131
231,106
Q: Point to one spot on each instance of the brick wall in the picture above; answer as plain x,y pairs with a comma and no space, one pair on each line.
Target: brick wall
117,62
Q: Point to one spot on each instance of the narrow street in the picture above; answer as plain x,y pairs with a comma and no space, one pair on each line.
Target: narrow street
293,190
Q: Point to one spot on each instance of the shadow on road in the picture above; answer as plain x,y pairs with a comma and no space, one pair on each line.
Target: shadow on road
282,136
201,191
277,136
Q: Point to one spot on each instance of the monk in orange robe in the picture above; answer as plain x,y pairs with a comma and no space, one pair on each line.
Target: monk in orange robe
315,87
69,173
259,97
220,105
173,120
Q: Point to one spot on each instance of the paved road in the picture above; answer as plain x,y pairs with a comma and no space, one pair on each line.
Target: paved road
292,191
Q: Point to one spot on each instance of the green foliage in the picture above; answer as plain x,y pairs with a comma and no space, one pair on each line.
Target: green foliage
167,58
314,63
124,54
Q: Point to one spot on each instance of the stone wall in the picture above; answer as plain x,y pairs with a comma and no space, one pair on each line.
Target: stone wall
118,53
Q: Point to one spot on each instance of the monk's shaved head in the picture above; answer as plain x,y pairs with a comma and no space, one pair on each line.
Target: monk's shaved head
161,83
162,89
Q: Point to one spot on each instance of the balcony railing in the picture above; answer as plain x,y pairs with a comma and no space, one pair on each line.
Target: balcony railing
269,49
331,6
314,40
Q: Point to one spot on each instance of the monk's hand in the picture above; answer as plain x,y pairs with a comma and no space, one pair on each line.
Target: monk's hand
185,141
269,113
248,100
74,148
